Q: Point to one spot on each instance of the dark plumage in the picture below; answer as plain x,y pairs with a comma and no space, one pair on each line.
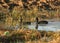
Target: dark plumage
27,23
36,23
37,19
43,22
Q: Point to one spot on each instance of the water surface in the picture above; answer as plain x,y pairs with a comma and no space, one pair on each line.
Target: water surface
51,26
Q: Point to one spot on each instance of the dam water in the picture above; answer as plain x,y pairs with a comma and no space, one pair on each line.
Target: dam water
51,26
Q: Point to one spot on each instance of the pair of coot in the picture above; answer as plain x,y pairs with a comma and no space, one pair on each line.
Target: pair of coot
40,22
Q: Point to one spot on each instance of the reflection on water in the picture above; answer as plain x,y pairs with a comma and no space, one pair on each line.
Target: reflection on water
51,26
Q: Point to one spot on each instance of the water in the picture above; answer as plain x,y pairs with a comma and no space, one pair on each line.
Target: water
51,26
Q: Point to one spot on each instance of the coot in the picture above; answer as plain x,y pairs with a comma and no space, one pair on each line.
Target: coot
43,22
26,23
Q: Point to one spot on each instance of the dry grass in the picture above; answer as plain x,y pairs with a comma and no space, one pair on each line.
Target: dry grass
32,36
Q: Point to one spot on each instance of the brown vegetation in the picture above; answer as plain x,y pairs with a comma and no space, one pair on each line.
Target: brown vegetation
30,36
10,4
12,11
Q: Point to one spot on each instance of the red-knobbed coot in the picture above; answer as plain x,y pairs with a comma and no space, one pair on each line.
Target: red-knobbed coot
43,22
26,23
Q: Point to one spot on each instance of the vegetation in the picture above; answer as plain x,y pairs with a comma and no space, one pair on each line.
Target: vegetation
27,35
12,16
